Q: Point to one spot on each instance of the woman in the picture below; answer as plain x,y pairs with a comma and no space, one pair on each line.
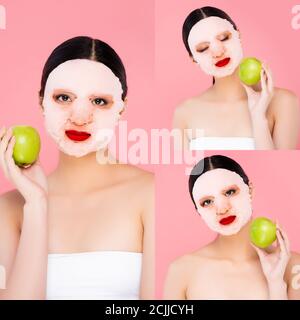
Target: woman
86,230
229,114
230,267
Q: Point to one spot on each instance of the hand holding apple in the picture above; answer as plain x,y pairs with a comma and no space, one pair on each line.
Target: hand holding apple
31,182
273,259
258,101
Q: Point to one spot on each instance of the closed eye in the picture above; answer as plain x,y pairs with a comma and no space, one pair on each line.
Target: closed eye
230,192
225,38
202,49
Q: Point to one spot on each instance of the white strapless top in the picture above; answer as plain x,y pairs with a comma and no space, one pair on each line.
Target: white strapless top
222,143
95,275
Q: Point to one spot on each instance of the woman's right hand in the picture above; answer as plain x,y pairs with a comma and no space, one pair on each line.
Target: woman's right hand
258,101
31,182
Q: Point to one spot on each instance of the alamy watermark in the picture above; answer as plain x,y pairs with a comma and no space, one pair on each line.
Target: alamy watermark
295,23
156,146
2,277
2,17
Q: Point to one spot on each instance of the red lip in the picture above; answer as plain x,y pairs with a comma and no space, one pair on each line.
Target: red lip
77,135
227,220
223,62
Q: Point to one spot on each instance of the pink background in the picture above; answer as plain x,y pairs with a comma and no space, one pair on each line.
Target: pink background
35,28
155,51
266,33
179,228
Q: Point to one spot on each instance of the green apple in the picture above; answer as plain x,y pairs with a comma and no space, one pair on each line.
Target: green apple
262,232
27,145
249,71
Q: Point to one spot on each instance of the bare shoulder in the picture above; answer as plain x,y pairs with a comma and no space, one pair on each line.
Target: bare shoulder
139,184
284,93
188,262
137,176
284,101
198,101
292,273
294,260
11,207
190,103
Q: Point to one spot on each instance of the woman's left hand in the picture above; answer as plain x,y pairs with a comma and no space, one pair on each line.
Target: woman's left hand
258,101
274,262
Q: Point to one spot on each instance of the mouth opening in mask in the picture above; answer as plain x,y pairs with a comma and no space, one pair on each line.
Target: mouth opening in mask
227,220
77,136
222,63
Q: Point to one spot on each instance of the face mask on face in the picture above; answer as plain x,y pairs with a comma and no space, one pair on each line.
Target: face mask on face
223,200
82,104
220,45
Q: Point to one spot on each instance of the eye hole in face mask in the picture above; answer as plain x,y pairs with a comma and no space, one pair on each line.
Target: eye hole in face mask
232,191
206,203
224,36
62,98
99,102
202,47
102,101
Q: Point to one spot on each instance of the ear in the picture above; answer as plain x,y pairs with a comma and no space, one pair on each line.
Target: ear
125,105
193,60
41,103
251,190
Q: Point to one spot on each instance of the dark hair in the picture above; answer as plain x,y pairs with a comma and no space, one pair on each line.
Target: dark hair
196,16
211,163
85,48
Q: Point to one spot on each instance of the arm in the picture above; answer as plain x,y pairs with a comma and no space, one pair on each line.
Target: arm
274,266
258,103
286,129
147,290
175,284
24,255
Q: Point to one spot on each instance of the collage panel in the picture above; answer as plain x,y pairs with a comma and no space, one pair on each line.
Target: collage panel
225,81
76,213
229,230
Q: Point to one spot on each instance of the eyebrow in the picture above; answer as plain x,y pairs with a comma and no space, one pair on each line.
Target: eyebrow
230,187
64,91
105,95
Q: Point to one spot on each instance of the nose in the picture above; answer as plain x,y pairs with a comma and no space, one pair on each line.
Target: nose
217,48
223,206
81,114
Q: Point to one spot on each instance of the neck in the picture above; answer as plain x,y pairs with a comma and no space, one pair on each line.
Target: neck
229,88
237,246
77,175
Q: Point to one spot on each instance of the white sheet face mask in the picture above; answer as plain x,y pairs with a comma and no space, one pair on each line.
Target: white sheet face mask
82,104
223,46
223,200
